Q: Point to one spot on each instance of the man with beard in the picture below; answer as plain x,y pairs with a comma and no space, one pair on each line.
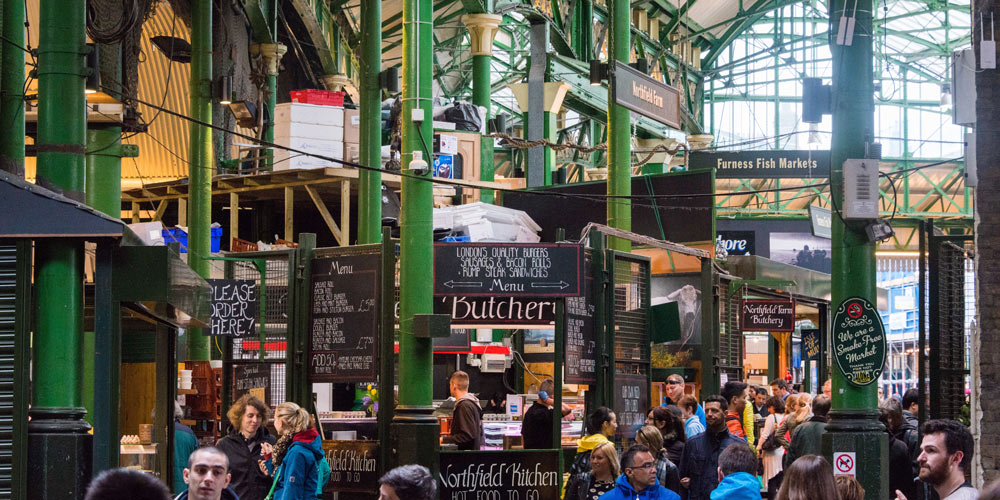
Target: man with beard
700,460
945,454
675,390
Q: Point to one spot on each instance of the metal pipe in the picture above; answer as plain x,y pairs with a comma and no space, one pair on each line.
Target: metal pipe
12,89
201,161
370,135
619,145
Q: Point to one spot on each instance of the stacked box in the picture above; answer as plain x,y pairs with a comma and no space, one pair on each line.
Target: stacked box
309,128
352,134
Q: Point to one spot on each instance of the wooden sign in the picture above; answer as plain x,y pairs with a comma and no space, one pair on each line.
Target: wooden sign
252,378
353,466
235,306
811,345
631,403
497,312
768,315
502,475
344,318
508,269
647,96
859,343
581,338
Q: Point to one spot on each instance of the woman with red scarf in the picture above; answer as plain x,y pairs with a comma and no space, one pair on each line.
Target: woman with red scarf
295,456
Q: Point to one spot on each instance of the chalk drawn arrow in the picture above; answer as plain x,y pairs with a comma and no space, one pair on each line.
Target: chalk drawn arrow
560,285
463,284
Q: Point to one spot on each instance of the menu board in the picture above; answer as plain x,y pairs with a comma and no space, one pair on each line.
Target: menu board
235,305
859,341
581,338
353,466
501,475
631,402
344,318
508,269
252,378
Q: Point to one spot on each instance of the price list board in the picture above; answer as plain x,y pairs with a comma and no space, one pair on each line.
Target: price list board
344,318
581,338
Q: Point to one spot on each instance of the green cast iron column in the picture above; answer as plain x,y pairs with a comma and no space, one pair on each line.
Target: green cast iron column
415,430
104,170
12,90
200,158
481,94
57,440
370,136
582,34
619,147
854,424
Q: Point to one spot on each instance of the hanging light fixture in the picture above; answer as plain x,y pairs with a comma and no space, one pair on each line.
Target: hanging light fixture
94,65
946,94
224,89
813,134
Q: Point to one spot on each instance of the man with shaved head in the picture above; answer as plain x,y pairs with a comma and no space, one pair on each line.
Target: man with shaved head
207,476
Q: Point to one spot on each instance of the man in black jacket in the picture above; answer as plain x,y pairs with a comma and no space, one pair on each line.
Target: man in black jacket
246,446
467,419
700,460
536,426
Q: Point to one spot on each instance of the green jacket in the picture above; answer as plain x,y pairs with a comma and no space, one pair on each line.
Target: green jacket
807,439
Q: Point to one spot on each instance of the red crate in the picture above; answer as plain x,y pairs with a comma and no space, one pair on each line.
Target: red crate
317,96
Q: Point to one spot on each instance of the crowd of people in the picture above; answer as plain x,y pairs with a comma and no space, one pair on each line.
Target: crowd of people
747,442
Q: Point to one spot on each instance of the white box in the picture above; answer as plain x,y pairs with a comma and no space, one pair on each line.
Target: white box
309,113
308,131
287,160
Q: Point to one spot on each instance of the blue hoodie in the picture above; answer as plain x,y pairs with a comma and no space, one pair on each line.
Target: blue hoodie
738,486
299,474
624,491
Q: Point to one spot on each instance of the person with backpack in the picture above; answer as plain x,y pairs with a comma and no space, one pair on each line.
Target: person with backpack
296,457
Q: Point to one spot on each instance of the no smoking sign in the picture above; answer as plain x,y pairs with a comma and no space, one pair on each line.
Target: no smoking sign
845,463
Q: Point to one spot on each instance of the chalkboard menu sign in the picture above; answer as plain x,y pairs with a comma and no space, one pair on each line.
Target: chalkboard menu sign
768,315
859,341
252,378
581,338
502,475
631,403
353,466
508,269
811,344
235,306
344,318
497,312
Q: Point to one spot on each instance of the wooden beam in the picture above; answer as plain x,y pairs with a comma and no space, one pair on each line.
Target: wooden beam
345,211
135,212
289,213
234,216
325,214
182,212
161,209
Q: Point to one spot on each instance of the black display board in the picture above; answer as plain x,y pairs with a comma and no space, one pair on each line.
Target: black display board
631,403
737,242
497,312
235,307
768,315
499,475
457,341
353,466
252,378
763,164
344,318
859,343
508,269
581,337
811,345
682,211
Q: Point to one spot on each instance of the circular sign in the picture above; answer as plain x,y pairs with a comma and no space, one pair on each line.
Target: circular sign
859,343
845,464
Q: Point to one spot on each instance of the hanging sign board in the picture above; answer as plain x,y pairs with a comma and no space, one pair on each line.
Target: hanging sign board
795,164
737,242
235,306
811,344
768,315
859,343
497,312
821,220
647,96
344,318
508,269
353,466
631,403
252,378
580,338
523,475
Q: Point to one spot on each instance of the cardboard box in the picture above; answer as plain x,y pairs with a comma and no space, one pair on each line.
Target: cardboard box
288,160
352,150
352,126
309,113
286,130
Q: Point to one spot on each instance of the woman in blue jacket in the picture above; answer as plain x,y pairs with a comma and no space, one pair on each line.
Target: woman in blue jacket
295,455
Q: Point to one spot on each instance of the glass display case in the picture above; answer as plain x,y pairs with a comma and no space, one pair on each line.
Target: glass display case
140,457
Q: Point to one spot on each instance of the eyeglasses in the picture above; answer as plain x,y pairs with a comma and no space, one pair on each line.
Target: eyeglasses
647,465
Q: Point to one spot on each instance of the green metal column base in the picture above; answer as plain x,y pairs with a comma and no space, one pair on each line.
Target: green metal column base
416,436
860,432
60,460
